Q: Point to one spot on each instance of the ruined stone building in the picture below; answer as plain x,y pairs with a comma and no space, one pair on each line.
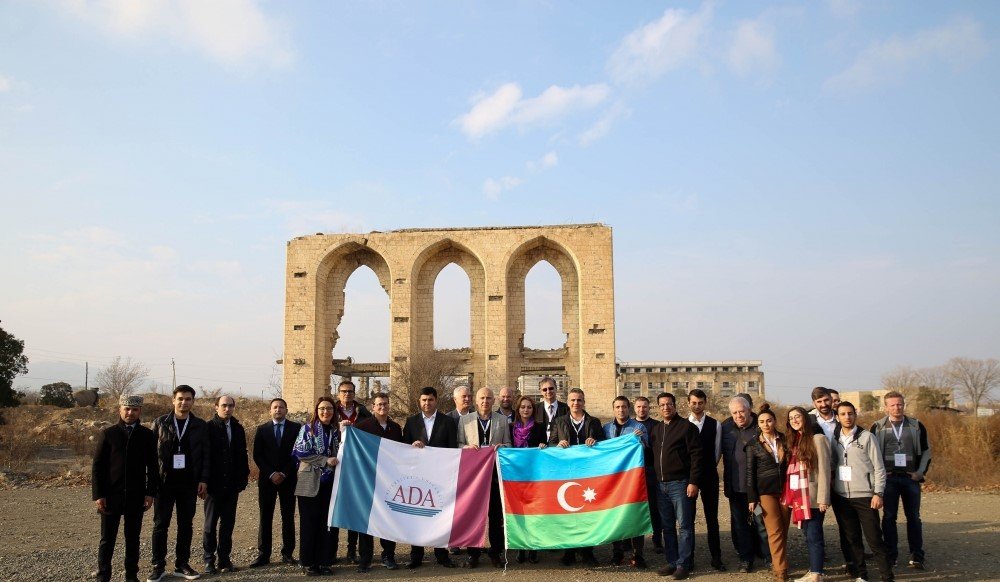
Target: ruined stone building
719,379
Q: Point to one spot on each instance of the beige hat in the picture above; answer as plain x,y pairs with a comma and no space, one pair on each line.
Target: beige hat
130,401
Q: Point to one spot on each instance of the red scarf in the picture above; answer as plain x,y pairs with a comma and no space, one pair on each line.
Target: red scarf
797,498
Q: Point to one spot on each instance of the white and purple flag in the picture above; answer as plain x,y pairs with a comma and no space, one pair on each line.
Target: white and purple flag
424,497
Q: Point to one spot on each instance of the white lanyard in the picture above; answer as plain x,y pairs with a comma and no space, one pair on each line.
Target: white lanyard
327,438
486,429
577,427
897,433
180,433
774,447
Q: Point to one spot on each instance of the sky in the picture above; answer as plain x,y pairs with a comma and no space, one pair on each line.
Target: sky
809,184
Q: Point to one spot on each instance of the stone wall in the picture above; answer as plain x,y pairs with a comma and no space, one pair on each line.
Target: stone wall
497,261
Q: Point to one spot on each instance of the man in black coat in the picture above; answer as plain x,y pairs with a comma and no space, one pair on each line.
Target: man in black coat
230,470
124,480
548,408
185,466
576,428
380,425
272,452
432,429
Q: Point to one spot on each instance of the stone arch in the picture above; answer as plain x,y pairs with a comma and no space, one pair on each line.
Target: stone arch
518,263
426,267
332,273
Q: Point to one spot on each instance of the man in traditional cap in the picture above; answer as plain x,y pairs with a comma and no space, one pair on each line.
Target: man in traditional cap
124,481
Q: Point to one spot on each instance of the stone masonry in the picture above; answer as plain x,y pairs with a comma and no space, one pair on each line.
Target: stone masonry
497,260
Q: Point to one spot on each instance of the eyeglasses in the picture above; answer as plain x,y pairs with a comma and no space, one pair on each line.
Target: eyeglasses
325,409
547,389
347,391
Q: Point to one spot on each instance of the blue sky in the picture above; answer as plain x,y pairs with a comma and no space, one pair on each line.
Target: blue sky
813,185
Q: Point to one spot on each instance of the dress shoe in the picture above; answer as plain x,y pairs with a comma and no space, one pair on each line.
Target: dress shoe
680,574
260,561
390,563
228,567
326,570
413,565
639,562
618,559
472,562
363,569
718,565
288,560
447,563
210,569
667,570
312,571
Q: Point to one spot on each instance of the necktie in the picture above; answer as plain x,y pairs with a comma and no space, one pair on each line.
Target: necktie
277,432
552,410
229,434
128,430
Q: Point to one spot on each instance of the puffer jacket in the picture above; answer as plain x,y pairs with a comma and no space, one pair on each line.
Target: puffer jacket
197,461
764,475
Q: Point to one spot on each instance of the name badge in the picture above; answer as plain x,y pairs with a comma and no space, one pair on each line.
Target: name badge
900,459
844,472
179,462
794,482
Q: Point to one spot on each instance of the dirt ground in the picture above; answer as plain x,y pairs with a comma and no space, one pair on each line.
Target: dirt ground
52,534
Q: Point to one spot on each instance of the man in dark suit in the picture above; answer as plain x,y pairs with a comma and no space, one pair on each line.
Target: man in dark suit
185,465
432,429
350,411
549,408
379,424
576,428
272,452
124,479
710,435
228,477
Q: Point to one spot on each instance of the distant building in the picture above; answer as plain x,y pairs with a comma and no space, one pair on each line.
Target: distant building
720,379
871,400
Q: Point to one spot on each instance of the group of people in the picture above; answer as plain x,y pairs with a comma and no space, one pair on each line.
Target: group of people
771,478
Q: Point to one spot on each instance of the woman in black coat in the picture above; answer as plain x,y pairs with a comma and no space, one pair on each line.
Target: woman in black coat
525,432
767,463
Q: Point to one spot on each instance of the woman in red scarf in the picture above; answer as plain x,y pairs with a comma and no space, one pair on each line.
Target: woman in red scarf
807,486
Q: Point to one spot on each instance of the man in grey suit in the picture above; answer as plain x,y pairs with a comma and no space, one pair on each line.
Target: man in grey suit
487,428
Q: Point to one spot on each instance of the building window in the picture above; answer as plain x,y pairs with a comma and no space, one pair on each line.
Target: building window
704,386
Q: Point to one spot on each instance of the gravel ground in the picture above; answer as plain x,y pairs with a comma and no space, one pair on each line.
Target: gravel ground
52,534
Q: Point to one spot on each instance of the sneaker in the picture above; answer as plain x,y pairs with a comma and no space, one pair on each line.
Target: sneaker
156,575
186,572
916,564
390,563
210,569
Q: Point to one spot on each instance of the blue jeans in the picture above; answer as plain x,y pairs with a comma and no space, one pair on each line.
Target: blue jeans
676,508
902,487
813,530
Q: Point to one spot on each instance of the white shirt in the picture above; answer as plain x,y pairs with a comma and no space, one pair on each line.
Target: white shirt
718,433
845,437
828,426
429,423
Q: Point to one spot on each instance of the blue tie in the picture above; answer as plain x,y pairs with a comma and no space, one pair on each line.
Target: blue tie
277,432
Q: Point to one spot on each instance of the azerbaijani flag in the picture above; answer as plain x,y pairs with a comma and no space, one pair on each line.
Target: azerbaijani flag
424,497
577,497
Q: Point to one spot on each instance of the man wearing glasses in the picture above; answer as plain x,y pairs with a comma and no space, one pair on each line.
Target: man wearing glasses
350,412
549,408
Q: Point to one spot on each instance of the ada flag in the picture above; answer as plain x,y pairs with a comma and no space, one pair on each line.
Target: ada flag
425,497
577,497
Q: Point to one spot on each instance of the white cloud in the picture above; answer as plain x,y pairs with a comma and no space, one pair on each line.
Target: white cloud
5,84
493,188
305,217
957,43
753,48
506,107
668,43
603,125
232,32
549,160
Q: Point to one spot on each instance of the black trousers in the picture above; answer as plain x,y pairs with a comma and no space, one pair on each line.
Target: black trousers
317,541
654,511
220,519
634,545
366,549
185,496
709,493
267,494
495,531
855,517
417,554
109,535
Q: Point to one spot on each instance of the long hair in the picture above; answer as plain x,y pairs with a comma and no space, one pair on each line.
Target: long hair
517,409
314,419
803,440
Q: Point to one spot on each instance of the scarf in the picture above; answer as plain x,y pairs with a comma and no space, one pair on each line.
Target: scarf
521,432
797,498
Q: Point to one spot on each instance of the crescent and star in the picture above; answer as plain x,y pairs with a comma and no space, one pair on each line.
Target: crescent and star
588,495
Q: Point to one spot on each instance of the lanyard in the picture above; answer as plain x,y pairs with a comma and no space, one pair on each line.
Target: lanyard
180,433
897,433
577,427
486,429
774,447
327,438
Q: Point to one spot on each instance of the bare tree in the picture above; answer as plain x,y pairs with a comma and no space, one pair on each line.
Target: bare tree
121,377
975,379
902,379
437,370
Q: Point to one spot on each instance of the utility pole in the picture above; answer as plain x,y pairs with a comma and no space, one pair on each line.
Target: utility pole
173,367
86,375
